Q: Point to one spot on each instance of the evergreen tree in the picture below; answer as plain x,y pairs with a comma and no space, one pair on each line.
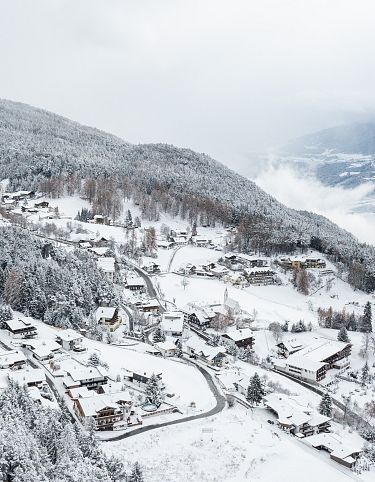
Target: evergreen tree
153,391
255,390
136,475
194,229
5,314
325,406
158,335
365,323
93,360
365,374
343,335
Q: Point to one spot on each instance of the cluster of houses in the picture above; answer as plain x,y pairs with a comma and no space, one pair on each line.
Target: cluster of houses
25,203
307,424
181,237
299,262
235,268
311,363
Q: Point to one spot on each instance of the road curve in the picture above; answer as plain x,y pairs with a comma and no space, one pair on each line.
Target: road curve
220,404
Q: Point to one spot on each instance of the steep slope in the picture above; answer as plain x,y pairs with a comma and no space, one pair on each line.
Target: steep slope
35,144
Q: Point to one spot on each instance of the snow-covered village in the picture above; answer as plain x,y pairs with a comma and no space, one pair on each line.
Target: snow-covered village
187,241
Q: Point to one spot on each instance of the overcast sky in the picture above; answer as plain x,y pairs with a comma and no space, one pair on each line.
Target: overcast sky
222,77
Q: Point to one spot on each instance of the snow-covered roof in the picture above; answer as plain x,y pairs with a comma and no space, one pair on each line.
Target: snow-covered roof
323,349
107,264
256,269
92,405
8,358
199,346
238,334
27,376
20,324
291,345
166,345
85,373
304,362
136,281
290,412
219,270
153,303
81,392
337,446
172,321
112,387
69,335
106,312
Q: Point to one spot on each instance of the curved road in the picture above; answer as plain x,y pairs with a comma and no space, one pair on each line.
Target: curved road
220,404
172,258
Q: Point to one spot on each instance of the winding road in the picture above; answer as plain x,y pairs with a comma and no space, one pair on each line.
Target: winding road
220,404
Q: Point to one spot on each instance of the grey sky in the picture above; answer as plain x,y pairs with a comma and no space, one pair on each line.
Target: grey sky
221,77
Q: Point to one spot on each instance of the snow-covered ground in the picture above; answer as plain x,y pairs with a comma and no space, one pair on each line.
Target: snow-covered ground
241,445
238,445
184,381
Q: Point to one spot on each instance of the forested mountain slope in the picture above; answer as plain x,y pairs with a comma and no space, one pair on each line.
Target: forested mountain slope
35,145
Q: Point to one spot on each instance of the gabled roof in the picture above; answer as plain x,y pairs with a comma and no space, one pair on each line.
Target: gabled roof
8,358
238,334
137,281
20,324
28,375
106,312
68,335
92,405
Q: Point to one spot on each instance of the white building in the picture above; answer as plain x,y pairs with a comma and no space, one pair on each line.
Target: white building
13,359
167,348
299,420
108,266
31,377
70,340
172,323
80,376
302,368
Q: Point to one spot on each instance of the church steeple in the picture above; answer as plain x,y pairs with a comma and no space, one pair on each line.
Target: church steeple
225,295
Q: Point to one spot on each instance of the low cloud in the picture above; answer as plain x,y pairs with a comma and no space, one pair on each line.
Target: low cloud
307,193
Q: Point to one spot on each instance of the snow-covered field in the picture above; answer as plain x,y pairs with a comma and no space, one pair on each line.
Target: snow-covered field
238,445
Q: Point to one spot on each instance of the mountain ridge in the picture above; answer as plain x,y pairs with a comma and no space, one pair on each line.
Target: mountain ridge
36,145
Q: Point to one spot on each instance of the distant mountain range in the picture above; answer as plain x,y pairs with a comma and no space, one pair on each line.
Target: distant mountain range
36,145
343,155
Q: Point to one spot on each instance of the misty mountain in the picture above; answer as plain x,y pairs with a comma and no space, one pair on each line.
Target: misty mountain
343,155
37,145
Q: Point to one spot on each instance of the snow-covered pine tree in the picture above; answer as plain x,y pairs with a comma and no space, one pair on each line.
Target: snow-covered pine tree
93,360
325,406
158,335
5,314
365,322
153,391
136,475
255,390
342,335
365,374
